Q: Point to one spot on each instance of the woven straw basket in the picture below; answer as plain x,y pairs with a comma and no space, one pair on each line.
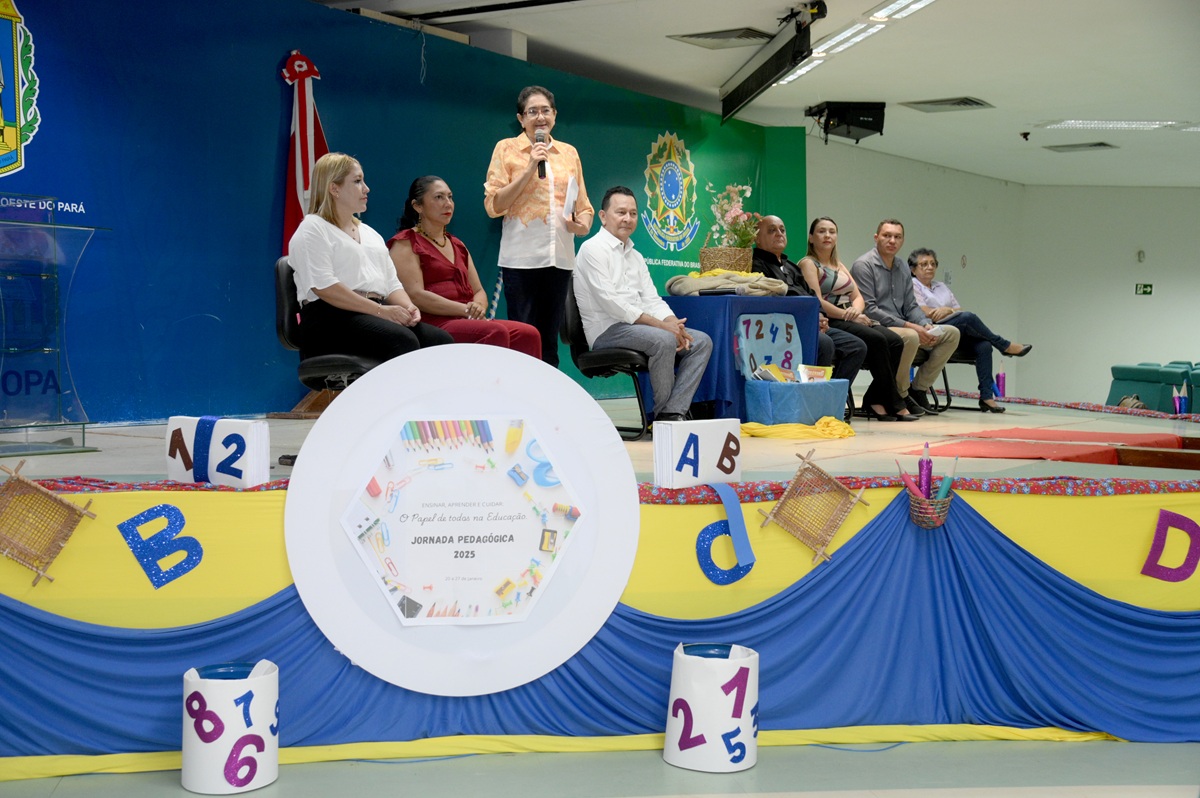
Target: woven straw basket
928,513
737,259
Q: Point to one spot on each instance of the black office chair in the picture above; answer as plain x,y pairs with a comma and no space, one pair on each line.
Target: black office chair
323,374
605,362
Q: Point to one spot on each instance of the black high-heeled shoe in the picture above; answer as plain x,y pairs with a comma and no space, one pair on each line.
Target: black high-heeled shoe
986,408
1024,351
875,415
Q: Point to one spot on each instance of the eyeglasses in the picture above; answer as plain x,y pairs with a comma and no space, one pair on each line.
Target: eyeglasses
533,113
927,265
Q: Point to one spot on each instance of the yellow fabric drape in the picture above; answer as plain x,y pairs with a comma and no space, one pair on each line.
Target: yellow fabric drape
826,427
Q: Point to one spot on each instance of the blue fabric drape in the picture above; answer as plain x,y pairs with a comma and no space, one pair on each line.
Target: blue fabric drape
903,626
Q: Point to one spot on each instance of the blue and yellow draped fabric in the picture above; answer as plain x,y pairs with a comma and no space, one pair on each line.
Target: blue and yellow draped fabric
1044,630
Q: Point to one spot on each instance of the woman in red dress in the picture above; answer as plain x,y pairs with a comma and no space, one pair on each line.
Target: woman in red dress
439,275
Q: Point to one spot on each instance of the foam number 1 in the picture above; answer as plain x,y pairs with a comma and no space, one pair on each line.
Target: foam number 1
738,684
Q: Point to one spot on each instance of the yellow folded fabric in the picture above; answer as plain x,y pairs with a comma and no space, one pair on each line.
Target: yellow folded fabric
826,427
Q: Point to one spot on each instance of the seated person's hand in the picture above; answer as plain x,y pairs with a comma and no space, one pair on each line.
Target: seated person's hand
939,314
473,311
851,313
683,339
822,322
925,338
407,315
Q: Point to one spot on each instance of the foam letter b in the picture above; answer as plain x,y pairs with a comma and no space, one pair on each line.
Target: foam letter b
152,550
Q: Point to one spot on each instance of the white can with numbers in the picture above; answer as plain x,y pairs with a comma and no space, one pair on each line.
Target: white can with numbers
230,727
712,711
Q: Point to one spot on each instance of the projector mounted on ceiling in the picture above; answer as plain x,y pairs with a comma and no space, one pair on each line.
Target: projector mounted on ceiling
851,120
784,53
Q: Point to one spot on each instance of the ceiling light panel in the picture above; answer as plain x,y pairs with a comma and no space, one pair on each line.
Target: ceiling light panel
1107,124
917,6
898,10
871,31
803,69
825,45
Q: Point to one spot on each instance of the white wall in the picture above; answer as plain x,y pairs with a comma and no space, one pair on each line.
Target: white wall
1050,266
1079,263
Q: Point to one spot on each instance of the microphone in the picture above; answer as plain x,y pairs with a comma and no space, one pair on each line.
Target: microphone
540,138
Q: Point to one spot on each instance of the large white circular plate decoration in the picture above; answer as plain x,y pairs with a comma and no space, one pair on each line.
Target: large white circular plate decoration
357,433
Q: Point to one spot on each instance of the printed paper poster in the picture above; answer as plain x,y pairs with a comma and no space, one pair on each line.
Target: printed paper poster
463,522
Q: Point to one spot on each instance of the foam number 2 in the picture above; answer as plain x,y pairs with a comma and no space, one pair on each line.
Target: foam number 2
198,711
686,739
237,443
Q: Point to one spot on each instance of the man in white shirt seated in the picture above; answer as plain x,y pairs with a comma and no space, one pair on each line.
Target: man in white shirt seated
621,309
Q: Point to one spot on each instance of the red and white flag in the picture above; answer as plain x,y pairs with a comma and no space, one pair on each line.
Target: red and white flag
307,141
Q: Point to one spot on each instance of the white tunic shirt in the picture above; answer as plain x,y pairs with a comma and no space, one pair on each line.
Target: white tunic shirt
612,284
322,254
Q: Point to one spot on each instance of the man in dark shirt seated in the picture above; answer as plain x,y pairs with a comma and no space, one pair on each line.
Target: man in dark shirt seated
836,348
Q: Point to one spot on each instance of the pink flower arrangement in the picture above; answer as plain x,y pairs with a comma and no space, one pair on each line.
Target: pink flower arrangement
734,226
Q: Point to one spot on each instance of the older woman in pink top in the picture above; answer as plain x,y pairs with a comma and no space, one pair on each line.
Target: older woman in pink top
938,302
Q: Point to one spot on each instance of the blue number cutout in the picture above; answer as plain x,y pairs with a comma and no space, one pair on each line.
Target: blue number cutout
243,701
238,443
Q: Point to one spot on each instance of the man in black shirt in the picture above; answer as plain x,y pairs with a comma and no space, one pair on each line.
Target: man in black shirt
836,348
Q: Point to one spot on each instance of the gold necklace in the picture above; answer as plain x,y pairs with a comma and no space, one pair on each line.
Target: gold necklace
445,237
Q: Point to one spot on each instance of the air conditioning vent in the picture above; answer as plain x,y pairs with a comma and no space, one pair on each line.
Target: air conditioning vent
725,39
948,104
1091,145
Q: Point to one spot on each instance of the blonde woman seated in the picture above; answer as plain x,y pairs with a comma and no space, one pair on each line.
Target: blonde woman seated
831,282
938,302
441,277
350,299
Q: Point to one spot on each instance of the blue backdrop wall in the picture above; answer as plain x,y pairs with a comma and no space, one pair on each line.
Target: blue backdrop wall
164,128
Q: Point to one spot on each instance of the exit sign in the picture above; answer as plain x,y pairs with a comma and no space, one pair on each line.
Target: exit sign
1143,289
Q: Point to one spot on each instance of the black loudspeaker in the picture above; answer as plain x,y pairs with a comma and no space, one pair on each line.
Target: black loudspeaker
849,120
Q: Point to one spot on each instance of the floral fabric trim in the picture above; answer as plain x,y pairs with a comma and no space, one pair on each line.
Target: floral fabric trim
1090,407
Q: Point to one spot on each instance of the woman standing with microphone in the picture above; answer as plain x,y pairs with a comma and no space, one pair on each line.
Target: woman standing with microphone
535,182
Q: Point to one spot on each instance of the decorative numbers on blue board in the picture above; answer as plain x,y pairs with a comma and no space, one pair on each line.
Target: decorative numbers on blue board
764,338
